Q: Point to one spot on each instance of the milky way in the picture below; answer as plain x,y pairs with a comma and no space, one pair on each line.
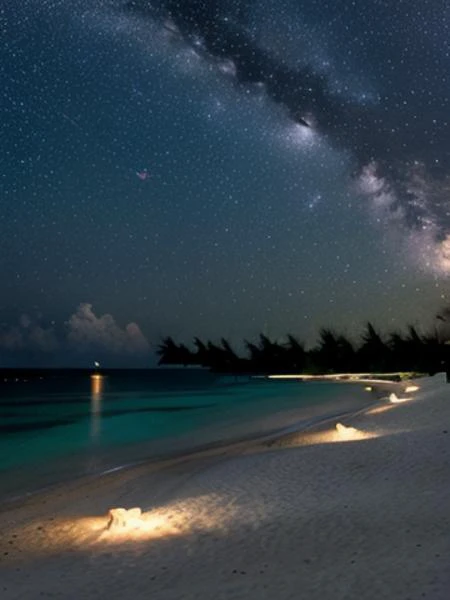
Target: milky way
219,168
401,49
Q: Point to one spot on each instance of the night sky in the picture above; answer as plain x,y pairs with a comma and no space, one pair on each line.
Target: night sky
219,168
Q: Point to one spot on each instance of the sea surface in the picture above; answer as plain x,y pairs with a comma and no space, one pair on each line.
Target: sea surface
59,425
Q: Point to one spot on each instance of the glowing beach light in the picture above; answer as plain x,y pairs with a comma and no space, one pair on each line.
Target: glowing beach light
394,399
120,518
96,375
134,524
166,521
348,433
411,388
368,388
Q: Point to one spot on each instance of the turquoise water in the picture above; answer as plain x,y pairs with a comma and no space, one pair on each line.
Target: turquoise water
63,427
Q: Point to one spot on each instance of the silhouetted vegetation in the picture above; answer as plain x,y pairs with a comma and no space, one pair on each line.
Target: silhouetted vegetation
333,353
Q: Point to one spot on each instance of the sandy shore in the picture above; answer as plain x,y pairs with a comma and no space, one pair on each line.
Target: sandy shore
361,511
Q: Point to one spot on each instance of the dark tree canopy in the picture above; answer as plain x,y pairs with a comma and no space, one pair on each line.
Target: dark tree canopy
333,353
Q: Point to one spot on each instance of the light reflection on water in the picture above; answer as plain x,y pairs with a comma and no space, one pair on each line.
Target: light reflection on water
97,388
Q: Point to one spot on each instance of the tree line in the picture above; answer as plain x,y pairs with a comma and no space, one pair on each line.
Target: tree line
333,353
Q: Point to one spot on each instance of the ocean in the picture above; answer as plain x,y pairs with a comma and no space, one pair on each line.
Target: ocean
56,426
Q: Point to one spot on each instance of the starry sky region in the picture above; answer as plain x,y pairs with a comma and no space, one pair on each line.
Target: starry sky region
219,168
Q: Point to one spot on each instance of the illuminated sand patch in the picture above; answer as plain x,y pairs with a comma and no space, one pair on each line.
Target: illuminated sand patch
196,515
338,434
193,516
377,410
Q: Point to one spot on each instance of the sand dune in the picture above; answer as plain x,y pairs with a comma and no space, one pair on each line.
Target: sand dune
357,511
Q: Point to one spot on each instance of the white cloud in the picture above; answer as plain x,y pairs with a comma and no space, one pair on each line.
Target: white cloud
28,335
86,330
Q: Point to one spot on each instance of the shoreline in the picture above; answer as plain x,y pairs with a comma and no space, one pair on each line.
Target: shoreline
221,447
170,458
159,462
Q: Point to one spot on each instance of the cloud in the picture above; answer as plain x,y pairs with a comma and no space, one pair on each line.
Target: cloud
28,336
87,331
84,331
42,339
11,338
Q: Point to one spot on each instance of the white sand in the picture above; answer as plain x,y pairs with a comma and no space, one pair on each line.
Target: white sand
358,513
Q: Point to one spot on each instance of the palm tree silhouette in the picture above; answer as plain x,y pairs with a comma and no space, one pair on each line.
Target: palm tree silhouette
333,353
172,354
295,354
374,354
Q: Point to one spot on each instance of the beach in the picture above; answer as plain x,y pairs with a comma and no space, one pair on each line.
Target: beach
355,508
70,425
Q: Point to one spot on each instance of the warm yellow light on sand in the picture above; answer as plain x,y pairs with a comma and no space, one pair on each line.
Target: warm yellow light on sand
376,410
180,518
132,524
89,532
411,388
336,435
